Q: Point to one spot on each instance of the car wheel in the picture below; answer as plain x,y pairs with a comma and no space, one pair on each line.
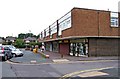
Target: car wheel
14,55
6,57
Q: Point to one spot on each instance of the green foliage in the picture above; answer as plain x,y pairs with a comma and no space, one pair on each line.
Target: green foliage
19,43
22,35
29,35
34,43
38,36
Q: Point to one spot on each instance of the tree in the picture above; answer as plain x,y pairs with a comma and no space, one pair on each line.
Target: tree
21,36
29,35
38,36
19,43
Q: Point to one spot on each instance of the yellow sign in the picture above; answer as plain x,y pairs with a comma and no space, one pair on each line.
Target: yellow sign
66,41
60,41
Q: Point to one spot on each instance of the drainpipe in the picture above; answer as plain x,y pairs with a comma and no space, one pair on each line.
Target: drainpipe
49,31
57,29
98,25
98,34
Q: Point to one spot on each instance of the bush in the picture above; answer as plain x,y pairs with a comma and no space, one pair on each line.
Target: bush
19,43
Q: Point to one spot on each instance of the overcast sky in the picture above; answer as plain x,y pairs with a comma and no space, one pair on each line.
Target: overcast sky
21,16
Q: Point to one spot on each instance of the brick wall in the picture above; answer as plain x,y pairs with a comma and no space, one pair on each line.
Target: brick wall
86,22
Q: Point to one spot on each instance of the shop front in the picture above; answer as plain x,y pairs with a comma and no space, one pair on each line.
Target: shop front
52,46
49,46
79,47
55,46
74,47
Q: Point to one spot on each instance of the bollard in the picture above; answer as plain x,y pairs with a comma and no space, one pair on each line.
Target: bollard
61,55
47,56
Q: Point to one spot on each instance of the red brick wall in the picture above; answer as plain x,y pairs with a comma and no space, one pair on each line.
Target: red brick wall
87,22
105,28
47,38
54,36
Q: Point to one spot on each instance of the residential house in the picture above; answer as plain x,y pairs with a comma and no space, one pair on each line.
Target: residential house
30,39
2,40
10,39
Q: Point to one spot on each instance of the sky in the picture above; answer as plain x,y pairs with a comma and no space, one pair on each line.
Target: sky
24,16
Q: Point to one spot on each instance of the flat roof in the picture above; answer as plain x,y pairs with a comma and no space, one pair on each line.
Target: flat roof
79,37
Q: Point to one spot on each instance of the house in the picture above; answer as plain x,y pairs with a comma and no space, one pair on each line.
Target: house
10,39
2,40
84,32
30,39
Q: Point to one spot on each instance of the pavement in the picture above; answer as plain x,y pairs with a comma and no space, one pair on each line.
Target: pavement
54,55
36,58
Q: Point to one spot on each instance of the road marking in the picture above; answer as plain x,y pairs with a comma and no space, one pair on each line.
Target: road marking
68,62
79,72
33,61
60,60
92,74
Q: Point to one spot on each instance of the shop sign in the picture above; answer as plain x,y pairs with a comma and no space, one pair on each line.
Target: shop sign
60,41
78,40
66,41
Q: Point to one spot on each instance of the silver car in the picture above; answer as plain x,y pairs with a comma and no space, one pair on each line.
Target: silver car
5,53
15,52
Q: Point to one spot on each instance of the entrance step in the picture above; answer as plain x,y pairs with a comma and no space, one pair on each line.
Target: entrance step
60,60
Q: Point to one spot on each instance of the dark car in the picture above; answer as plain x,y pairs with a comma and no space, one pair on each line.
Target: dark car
5,53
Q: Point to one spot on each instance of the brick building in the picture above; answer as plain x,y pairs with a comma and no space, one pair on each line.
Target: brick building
84,32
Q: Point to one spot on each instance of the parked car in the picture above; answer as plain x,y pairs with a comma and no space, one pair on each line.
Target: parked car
5,53
15,52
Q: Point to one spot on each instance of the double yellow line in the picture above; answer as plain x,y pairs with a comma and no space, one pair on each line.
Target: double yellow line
79,72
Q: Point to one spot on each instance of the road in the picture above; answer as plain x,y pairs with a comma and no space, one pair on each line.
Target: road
76,69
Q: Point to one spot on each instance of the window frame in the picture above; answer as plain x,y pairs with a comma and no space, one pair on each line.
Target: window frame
114,19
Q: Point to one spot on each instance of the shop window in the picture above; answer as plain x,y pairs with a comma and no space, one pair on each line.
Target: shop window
55,46
48,47
64,23
78,49
47,32
53,28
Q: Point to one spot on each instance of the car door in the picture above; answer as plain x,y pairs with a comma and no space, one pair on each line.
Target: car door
8,52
